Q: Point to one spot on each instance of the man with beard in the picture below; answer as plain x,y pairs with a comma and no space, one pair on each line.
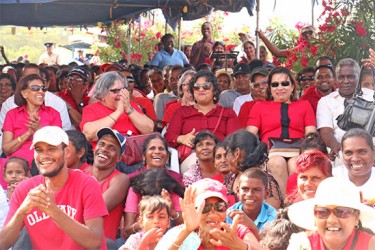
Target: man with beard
324,85
114,184
332,105
61,208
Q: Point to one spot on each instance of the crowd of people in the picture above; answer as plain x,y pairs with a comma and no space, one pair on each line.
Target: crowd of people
209,172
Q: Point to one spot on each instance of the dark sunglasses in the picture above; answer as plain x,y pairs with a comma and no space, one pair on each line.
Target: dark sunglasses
220,207
306,78
205,86
36,88
340,212
116,91
277,84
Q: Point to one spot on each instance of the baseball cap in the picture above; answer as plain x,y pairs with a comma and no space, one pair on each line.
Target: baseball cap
120,138
258,71
220,72
48,45
111,67
82,72
52,135
207,188
241,68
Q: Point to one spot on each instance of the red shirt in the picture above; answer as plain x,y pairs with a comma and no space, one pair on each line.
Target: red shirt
15,121
146,104
68,98
363,240
170,108
188,118
243,115
266,116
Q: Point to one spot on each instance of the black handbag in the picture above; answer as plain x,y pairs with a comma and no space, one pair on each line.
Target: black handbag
358,113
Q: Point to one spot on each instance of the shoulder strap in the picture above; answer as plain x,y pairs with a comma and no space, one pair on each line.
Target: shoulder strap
219,120
284,121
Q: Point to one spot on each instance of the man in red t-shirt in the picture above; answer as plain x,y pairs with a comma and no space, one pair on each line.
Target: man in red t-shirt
61,208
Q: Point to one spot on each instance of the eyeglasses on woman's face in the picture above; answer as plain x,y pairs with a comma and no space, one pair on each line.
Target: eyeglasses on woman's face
277,84
323,213
205,86
220,207
36,88
116,91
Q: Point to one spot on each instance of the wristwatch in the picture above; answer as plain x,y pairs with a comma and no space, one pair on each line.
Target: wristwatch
131,110
81,104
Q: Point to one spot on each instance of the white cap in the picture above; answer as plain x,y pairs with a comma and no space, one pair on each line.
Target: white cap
52,135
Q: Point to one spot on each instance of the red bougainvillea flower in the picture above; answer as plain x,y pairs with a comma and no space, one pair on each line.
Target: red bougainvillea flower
299,25
304,61
313,50
158,35
118,44
363,46
360,30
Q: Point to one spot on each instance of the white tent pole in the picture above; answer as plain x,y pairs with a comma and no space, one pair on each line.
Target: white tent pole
312,12
129,42
179,33
257,28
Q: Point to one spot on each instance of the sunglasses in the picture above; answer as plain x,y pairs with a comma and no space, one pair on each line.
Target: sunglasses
116,91
36,88
306,78
340,212
277,84
205,86
220,207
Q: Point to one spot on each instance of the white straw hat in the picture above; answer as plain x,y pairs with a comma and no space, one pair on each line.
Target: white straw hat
332,191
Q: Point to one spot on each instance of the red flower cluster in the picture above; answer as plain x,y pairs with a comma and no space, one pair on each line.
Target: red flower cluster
327,28
136,57
360,30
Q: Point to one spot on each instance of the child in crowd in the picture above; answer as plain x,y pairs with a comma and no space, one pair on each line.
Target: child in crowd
154,218
254,212
221,163
276,234
15,170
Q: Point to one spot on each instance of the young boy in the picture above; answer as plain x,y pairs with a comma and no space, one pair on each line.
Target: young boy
251,207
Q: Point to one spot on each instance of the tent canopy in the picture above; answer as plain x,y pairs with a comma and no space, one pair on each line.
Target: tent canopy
42,13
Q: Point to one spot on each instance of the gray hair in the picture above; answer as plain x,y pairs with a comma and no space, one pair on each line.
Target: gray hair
106,81
183,80
350,62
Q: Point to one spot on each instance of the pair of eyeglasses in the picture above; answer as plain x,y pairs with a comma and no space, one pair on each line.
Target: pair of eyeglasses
277,84
116,91
305,33
340,212
36,88
7,85
75,79
220,207
306,78
205,86
257,85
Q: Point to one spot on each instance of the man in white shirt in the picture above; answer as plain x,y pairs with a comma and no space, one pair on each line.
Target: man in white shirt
48,57
332,105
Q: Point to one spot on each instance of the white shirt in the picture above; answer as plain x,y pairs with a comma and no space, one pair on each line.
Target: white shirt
53,59
4,207
241,100
331,106
50,99
367,189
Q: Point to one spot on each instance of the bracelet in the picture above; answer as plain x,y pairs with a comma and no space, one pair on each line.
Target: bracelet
133,227
19,139
178,216
69,108
112,118
174,244
131,110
